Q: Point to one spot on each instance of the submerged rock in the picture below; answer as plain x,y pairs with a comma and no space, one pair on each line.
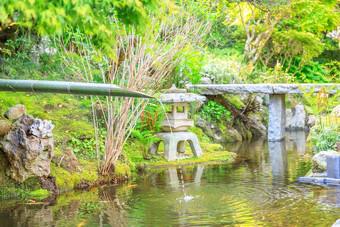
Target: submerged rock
319,161
29,154
15,112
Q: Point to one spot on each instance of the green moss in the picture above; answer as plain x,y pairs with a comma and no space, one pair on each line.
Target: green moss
213,153
89,170
32,183
64,179
235,100
200,134
223,127
67,181
70,119
122,169
39,193
211,147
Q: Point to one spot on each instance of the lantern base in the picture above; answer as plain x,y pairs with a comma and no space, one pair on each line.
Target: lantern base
174,144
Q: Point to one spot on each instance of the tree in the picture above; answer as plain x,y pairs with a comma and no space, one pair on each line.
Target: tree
46,17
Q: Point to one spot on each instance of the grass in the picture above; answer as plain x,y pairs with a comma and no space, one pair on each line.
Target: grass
70,119
212,153
71,116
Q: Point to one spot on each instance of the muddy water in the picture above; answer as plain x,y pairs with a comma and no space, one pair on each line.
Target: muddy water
260,190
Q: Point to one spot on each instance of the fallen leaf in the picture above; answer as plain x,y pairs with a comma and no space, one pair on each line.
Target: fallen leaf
224,197
132,185
188,178
81,224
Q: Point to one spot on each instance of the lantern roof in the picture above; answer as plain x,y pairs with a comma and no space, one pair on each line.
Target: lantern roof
175,95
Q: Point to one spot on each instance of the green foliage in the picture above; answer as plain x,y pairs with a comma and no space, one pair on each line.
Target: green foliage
86,148
315,16
190,68
313,72
148,124
329,56
214,112
297,43
324,138
47,17
333,68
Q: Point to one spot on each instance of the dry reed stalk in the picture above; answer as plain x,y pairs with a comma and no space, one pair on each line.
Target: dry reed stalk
141,65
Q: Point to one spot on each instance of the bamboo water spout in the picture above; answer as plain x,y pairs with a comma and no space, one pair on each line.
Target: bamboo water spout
62,87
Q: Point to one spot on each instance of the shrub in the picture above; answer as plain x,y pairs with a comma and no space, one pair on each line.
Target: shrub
214,112
324,138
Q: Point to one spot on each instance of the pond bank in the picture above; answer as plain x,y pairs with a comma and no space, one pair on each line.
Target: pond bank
73,137
255,191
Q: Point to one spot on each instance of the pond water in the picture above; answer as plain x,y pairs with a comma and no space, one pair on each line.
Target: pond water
261,189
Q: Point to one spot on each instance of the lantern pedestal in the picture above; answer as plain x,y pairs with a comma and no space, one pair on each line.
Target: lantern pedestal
174,144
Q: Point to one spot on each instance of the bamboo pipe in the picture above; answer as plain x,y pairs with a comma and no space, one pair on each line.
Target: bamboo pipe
74,88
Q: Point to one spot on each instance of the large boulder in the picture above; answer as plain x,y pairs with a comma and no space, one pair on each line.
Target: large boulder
15,112
336,111
231,135
67,160
28,151
297,119
5,126
311,121
225,135
256,126
319,161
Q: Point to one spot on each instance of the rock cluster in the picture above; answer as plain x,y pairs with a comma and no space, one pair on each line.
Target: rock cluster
27,143
319,163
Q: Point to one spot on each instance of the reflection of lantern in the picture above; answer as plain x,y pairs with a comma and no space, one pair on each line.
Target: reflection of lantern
175,126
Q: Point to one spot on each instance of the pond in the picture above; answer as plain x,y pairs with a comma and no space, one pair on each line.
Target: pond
260,189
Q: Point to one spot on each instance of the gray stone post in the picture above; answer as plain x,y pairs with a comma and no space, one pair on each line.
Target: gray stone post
277,117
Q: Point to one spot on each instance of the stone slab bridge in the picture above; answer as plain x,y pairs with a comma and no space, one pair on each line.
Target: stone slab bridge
277,92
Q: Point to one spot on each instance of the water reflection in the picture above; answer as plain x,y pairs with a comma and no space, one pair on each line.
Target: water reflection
173,175
278,160
260,189
296,141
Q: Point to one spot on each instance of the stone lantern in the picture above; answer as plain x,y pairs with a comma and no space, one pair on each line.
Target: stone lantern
176,125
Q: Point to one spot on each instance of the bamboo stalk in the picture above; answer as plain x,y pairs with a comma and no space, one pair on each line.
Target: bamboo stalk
62,87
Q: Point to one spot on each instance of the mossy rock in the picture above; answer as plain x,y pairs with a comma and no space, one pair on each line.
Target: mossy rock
5,126
234,100
66,181
122,170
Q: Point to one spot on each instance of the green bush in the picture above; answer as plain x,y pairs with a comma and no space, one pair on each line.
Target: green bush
214,112
324,138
